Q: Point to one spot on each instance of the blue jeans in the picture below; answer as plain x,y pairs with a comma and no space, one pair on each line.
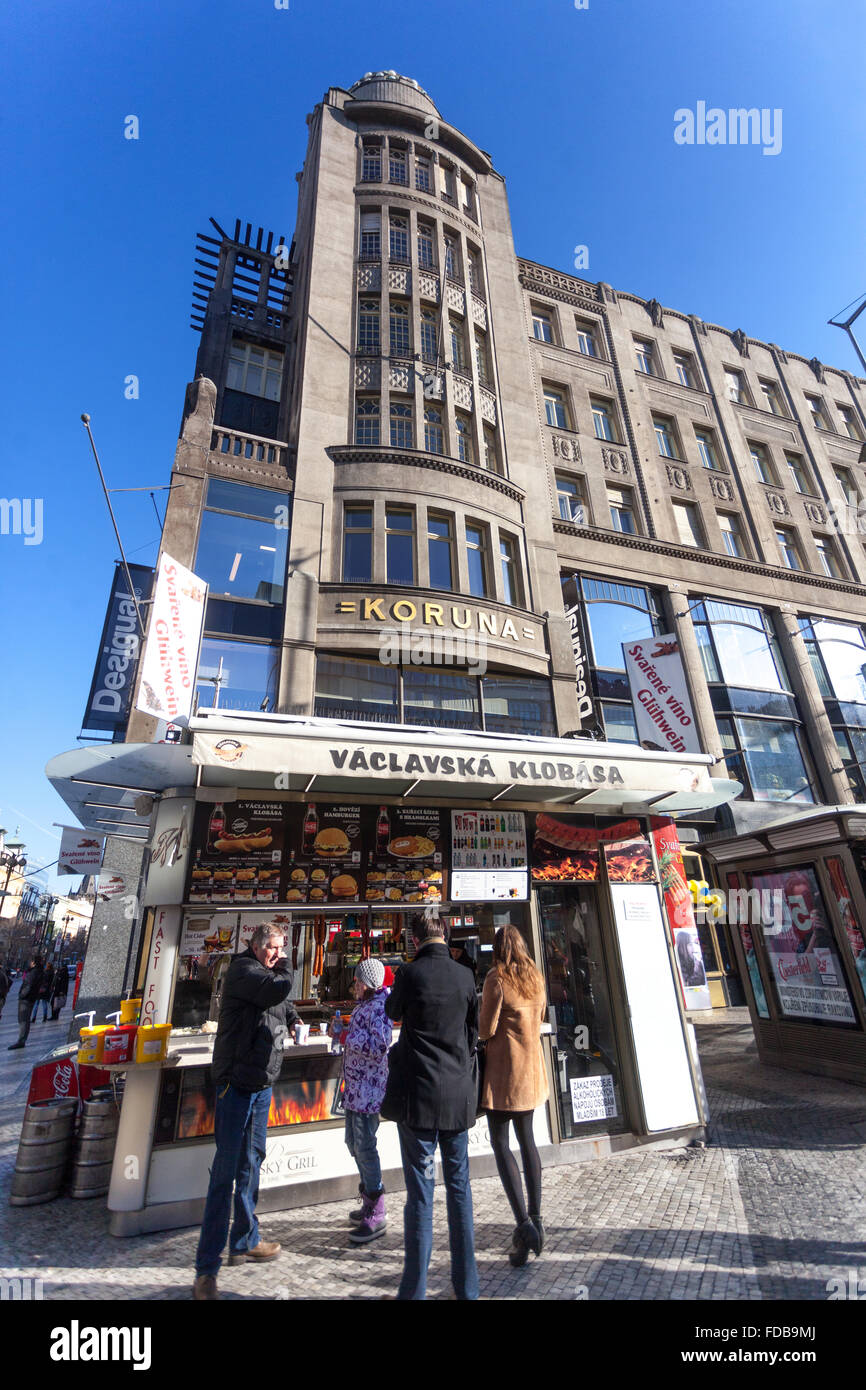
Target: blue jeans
361,1143
44,1003
418,1148
240,1131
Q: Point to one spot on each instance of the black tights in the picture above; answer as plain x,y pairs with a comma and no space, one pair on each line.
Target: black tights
498,1122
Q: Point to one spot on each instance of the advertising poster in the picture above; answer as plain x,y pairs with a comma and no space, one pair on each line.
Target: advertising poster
660,696
488,856
592,1098
567,850
209,936
237,849
806,969
680,914
326,854
836,870
405,850
80,851
167,683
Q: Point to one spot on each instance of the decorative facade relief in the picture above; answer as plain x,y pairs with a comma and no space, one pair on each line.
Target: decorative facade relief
614,462
567,449
455,297
399,279
428,286
487,402
479,311
679,477
654,309
721,488
777,504
462,392
815,513
400,376
370,276
740,342
368,374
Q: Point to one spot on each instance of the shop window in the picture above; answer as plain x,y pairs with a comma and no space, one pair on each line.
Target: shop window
348,689
400,546
440,699
817,989
237,675
518,705
772,759
439,548
357,545
243,541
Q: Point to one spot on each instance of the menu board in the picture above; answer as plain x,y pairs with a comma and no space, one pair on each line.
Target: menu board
237,849
405,852
488,840
326,861
493,885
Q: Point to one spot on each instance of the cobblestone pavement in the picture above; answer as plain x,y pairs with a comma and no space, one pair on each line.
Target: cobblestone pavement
773,1208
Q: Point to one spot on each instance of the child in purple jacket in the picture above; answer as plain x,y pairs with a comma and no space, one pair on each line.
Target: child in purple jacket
365,1073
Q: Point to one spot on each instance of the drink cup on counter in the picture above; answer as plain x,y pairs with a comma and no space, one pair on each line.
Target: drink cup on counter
302,1033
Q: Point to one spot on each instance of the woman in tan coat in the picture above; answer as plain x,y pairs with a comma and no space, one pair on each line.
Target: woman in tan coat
513,1006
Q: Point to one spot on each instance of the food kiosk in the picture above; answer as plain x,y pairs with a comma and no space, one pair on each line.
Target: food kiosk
795,901
337,834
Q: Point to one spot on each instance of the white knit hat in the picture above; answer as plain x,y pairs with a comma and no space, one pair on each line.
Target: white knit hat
371,973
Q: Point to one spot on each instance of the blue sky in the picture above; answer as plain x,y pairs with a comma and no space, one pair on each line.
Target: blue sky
576,108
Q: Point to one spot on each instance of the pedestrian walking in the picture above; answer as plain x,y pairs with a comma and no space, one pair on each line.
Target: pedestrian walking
255,1015
365,1075
27,996
59,990
513,1007
432,1094
5,985
44,994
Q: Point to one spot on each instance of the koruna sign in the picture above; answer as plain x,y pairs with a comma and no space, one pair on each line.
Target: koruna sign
491,766
660,696
167,685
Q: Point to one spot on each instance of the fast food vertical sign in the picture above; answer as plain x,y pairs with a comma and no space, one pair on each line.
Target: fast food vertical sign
680,914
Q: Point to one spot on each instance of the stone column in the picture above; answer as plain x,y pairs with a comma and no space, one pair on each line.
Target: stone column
679,612
822,744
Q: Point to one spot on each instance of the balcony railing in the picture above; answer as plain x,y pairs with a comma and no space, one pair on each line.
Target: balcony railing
247,446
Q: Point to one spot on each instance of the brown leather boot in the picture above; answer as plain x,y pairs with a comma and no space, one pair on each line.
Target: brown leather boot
204,1290
265,1250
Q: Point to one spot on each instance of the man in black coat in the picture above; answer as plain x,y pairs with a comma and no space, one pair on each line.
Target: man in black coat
28,994
254,1020
432,1094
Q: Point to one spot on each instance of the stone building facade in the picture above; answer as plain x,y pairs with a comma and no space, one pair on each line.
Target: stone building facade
407,450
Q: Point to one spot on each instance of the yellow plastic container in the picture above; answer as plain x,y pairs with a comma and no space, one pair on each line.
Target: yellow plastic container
129,1010
91,1044
151,1044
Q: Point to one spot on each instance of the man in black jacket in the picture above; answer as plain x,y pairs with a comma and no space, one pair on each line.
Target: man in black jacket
254,1020
432,1094
27,996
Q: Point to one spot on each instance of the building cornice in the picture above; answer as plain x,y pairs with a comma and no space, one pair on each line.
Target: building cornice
418,459
704,557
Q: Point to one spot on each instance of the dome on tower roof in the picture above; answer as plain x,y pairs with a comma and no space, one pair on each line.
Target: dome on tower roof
388,85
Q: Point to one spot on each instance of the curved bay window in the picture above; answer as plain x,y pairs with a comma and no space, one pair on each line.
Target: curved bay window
838,655
756,714
614,614
432,697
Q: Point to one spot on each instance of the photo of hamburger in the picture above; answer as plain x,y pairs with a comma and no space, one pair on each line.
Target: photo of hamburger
344,886
331,842
245,875
294,895
317,895
297,876
318,876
